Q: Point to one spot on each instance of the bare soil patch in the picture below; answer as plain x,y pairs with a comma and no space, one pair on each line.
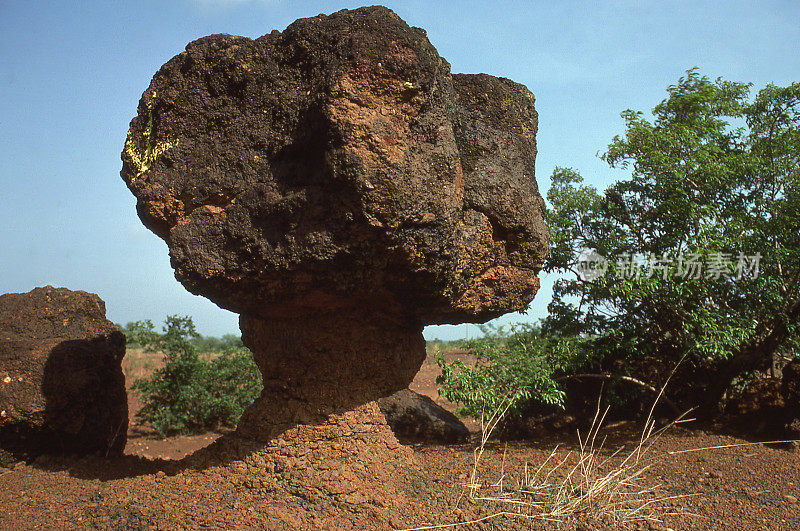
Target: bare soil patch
749,486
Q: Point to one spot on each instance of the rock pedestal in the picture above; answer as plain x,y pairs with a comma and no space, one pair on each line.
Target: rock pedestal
315,368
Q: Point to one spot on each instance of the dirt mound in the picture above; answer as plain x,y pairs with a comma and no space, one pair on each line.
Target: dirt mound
351,458
61,385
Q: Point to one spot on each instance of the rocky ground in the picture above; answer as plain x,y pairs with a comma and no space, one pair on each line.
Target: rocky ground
750,486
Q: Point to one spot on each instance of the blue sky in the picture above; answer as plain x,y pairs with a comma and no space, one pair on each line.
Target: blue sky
71,74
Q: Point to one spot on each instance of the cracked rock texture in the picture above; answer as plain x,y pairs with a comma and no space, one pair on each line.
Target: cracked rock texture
62,389
339,188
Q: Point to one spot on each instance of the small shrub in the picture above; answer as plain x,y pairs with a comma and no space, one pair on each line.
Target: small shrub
509,368
543,375
190,394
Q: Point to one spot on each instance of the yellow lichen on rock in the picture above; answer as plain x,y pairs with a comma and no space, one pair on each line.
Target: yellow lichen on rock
142,163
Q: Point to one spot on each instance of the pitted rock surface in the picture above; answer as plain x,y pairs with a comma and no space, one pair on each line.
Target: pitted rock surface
333,176
62,389
350,457
336,165
317,367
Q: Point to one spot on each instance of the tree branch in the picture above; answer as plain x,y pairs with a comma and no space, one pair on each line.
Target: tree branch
622,378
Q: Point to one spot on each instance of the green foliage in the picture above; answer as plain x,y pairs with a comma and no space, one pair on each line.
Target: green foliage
217,344
714,176
141,333
510,368
190,394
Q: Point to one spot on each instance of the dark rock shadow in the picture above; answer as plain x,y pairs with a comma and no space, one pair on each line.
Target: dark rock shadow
86,410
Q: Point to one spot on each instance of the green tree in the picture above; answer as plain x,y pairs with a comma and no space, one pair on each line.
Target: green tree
511,369
139,333
191,394
714,183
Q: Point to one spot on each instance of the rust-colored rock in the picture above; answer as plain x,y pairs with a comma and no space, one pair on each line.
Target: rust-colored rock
62,389
340,189
329,364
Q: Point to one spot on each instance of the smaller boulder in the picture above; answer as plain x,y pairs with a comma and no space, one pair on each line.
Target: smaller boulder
62,390
758,410
790,390
416,418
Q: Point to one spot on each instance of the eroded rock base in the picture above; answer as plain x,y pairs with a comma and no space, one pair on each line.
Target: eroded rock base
352,457
317,368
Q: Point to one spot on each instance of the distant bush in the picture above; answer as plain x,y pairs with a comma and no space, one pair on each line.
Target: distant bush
511,369
217,344
441,345
191,394
140,332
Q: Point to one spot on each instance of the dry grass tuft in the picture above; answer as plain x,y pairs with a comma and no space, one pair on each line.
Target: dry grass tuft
590,482
139,363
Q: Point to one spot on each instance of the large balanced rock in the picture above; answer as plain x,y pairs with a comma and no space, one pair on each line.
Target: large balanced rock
61,384
340,189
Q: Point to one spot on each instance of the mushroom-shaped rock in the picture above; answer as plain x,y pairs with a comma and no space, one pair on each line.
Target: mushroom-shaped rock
337,187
